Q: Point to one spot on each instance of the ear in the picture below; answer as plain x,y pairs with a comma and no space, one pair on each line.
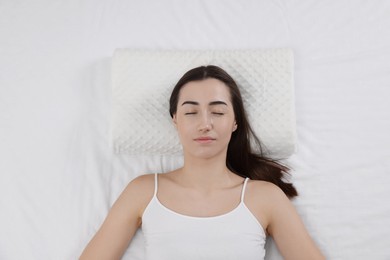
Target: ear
234,126
174,120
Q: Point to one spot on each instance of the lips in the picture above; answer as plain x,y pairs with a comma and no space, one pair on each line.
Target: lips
204,139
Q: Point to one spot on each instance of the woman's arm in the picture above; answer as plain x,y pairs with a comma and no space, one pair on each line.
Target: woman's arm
288,231
121,223
279,218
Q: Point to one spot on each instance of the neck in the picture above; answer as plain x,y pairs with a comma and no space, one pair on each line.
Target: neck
206,173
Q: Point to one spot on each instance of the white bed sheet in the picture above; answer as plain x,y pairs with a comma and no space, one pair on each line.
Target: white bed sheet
59,176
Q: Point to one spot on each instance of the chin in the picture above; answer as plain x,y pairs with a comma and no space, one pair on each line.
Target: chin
207,153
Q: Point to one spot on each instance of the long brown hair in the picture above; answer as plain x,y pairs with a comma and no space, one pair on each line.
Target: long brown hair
245,154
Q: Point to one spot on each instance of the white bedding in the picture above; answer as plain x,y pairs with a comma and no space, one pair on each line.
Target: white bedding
142,81
58,175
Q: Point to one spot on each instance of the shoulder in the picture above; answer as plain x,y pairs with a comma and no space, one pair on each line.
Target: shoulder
266,194
265,190
141,185
143,180
138,192
264,199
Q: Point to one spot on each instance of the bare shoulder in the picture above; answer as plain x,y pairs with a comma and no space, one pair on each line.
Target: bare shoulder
263,199
265,190
142,185
278,216
138,193
143,180
121,223
265,195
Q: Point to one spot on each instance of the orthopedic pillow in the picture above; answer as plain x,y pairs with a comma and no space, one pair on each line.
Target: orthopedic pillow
143,80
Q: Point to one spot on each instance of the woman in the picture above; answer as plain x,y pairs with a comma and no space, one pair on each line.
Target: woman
225,199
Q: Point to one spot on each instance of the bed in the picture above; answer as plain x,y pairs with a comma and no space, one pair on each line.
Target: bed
59,174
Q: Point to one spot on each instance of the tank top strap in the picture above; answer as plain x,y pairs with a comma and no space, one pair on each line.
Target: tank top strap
155,184
243,189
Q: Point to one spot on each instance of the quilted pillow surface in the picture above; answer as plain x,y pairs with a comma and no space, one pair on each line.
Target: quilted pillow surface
142,81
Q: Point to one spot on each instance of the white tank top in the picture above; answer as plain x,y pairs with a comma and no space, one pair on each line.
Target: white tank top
170,235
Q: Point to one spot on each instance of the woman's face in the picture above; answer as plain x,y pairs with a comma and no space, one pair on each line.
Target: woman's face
205,118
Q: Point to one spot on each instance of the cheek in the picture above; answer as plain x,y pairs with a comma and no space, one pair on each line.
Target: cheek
226,123
225,129
184,128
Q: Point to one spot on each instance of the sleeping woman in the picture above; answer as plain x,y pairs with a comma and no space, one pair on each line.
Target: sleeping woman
225,199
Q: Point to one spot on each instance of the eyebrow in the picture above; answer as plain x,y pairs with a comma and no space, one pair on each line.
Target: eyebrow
212,103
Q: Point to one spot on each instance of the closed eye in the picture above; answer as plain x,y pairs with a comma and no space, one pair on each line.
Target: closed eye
190,113
218,114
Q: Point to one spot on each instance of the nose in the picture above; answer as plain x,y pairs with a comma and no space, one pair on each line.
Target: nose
206,123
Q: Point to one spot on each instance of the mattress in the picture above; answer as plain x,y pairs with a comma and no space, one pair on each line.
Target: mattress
59,175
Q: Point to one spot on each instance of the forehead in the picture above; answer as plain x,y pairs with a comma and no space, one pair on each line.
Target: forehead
205,90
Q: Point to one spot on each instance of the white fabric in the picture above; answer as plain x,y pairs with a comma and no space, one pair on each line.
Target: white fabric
144,79
173,236
59,176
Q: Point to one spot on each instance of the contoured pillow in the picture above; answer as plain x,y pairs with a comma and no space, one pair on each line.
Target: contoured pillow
142,82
